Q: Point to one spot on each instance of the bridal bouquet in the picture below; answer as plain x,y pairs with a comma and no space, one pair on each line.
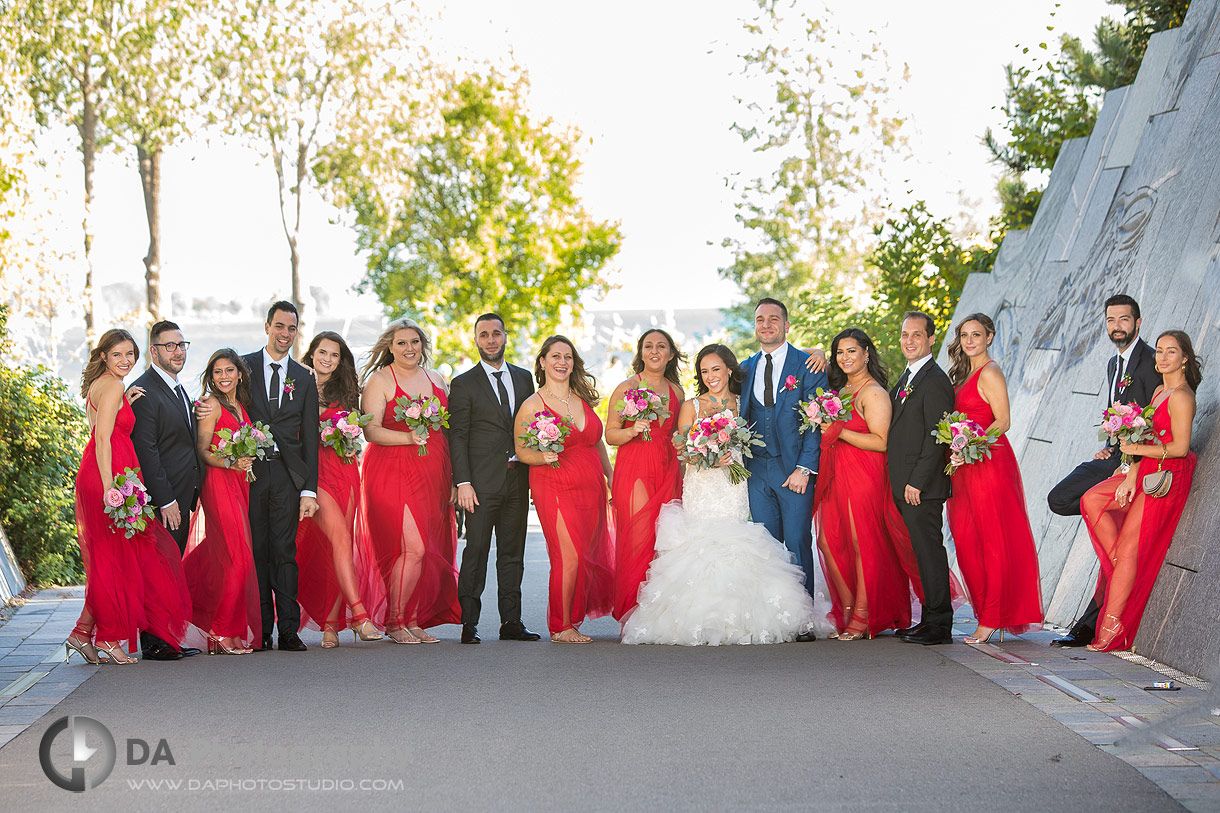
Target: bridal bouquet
826,406
341,432
967,441
714,436
642,404
127,503
546,433
248,440
422,414
1126,423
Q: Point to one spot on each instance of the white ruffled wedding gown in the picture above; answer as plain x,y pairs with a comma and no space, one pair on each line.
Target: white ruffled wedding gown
716,578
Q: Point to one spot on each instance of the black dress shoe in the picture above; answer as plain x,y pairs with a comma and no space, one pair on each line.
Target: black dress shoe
161,652
516,631
1077,637
188,651
929,636
806,637
920,627
291,642
470,634
267,644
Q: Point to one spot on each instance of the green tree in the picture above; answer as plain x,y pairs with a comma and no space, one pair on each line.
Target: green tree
297,77
483,216
42,434
826,130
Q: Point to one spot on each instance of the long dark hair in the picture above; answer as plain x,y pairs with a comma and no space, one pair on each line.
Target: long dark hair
959,362
242,390
671,369
736,376
580,380
95,368
1194,364
343,386
875,366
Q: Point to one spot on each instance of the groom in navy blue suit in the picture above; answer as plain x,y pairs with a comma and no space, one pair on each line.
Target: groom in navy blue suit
782,472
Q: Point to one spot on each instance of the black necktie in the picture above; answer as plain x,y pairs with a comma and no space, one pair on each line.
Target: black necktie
902,382
185,402
768,383
503,393
273,393
1118,380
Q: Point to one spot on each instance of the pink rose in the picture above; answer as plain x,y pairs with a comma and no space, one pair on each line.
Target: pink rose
257,435
722,436
1111,425
549,433
834,406
654,398
351,431
221,444
432,410
413,412
958,443
127,489
328,432
630,409
641,404
114,498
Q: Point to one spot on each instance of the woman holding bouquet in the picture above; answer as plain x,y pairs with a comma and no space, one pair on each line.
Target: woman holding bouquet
406,513
647,474
333,573
717,578
1131,530
219,562
131,583
571,496
991,531
865,548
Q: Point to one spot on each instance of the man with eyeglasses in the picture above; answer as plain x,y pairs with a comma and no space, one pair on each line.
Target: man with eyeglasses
164,439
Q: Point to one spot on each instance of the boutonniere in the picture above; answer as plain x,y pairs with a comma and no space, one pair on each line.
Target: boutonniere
904,393
289,386
1124,382
790,383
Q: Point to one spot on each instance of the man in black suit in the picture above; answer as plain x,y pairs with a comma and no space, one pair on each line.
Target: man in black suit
164,439
283,395
1131,378
493,487
917,473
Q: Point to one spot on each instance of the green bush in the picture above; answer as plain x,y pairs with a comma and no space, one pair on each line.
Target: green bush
42,434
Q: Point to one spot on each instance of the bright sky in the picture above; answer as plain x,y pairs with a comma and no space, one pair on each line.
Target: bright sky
649,83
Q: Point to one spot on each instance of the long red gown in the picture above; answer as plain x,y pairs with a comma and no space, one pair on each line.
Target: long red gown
572,508
325,544
1131,542
646,476
219,560
853,487
404,500
991,531
130,584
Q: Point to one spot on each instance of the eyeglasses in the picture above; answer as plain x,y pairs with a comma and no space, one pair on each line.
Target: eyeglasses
172,347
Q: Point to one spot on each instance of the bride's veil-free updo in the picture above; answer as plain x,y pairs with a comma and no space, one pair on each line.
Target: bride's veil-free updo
736,376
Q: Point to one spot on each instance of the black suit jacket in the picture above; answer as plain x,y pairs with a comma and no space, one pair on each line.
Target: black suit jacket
295,424
164,438
480,435
1144,377
915,457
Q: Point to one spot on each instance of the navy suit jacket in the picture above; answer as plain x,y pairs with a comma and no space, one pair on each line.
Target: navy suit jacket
796,448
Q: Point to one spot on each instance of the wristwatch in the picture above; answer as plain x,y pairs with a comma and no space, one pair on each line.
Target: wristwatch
804,470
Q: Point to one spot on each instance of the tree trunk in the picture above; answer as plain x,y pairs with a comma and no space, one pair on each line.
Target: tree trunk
150,180
88,149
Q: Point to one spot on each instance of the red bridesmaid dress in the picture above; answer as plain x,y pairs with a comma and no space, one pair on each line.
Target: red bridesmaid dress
130,584
408,523
219,561
646,476
1131,541
853,487
991,531
326,554
572,508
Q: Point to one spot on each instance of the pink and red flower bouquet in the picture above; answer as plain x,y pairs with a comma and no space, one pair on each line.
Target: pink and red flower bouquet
967,441
342,431
422,414
642,404
248,440
826,406
712,437
127,503
546,433
1126,423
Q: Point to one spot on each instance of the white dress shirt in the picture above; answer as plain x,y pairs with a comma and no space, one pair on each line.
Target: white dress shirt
172,382
778,356
915,366
1126,357
267,371
507,378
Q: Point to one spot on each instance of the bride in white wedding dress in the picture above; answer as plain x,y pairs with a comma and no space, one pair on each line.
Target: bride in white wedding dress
717,578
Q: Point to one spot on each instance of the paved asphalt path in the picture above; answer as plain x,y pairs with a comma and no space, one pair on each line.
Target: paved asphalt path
866,725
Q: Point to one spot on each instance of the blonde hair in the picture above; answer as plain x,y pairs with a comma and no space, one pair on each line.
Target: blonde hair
381,355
